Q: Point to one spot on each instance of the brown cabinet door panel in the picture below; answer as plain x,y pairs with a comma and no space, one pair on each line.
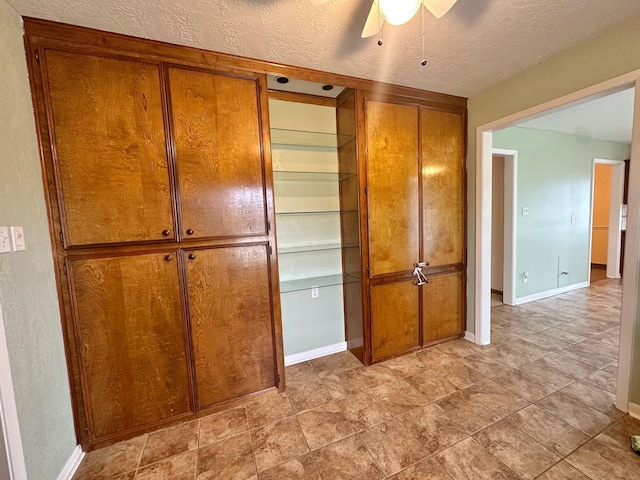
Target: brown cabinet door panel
392,183
442,187
218,143
130,329
109,149
231,322
442,307
395,326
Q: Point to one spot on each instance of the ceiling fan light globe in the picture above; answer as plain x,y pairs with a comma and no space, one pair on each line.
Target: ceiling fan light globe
398,12
438,7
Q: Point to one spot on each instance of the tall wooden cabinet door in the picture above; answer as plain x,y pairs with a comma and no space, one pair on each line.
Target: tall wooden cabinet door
394,226
231,322
442,187
130,330
395,327
443,307
392,183
218,141
109,148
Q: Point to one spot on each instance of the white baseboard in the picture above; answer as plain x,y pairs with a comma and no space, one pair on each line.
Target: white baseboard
633,409
470,336
70,468
550,293
315,353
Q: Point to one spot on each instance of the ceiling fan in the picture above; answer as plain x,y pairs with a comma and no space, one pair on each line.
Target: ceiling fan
397,12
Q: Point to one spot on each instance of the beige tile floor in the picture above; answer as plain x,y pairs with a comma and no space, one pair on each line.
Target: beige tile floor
537,403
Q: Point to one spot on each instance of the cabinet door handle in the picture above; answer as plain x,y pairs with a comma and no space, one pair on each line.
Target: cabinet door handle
421,279
192,256
189,231
168,258
166,233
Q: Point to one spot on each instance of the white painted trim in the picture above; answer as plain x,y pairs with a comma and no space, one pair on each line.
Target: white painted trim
631,263
614,247
614,237
484,142
510,223
484,164
315,353
633,409
9,413
470,336
551,293
70,468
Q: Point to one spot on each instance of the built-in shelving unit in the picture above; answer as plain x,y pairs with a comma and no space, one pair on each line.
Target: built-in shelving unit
309,217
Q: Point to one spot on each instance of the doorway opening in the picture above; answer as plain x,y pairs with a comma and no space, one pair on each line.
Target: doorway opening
606,220
484,161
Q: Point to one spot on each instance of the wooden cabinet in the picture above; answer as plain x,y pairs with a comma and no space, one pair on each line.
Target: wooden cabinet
415,204
218,143
106,122
128,318
159,183
161,205
231,322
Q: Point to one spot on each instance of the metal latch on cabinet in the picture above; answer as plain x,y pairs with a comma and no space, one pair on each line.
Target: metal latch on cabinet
417,271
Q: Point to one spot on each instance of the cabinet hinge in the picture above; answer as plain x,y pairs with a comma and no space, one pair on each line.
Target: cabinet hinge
61,240
268,227
64,268
367,269
366,191
269,249
260,88
368,291
38,58
277,380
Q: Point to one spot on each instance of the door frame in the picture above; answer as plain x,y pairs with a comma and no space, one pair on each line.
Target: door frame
9,425
614,236
510,223
484,152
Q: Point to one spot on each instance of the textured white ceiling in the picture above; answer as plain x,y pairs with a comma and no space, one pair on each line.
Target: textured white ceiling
477,44
606,118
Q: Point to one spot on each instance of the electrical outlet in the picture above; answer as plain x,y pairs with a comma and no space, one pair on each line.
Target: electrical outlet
525,277
5,243
573,219
525,211
315,292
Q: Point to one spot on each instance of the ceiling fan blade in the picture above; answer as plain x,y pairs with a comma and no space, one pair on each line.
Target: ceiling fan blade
438,7
318,2
374,21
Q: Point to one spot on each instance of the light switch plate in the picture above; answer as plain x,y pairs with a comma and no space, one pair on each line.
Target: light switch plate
5,243
17,237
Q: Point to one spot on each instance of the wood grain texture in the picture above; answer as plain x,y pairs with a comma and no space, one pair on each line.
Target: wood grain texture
442,187
395,326
392,182
129,325
231,322
350,223
443,307
218,143
110,151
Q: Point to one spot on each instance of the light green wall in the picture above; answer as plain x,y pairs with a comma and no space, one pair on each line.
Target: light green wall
554,182
27,285
307,323
606,56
